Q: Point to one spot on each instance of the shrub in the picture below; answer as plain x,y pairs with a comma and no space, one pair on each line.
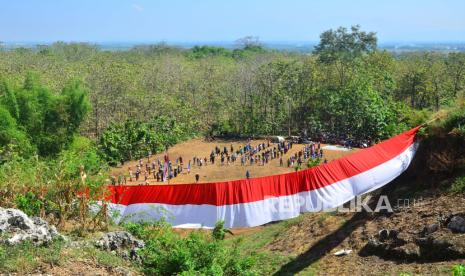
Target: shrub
313,162
219,232
132,139
458,186
29,204
192,255
458,270
168,253
455,122
55,185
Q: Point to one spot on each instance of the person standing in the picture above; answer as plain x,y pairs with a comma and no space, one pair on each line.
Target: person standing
130,174
247,174
137,174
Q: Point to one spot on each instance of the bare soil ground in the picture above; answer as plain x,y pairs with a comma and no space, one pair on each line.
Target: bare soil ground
318,237
211,173
306,245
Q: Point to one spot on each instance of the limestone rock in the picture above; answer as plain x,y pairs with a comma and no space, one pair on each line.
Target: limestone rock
16,227
122,243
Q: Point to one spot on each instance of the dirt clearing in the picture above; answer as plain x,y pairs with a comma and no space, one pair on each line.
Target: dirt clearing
216,172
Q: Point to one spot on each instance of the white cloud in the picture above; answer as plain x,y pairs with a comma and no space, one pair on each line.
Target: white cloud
138,7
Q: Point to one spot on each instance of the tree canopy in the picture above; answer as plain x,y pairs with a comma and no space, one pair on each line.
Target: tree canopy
36,120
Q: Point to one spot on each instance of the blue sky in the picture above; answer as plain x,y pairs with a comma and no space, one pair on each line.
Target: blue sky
221,20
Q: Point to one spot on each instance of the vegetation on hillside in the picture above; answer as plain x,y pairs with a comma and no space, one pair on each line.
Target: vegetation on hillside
67,111
58,134
345,88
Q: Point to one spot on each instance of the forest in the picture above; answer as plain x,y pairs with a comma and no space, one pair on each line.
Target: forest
69,111
57,100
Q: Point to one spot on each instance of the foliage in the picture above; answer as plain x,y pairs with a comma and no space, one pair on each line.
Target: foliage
458,186
25,258
29,203
168,253
54,185
132,139
458,270
130,103
455,122
207,51
219,232
417,117
12,139
247,90
140,229
313,162
340,44
48,121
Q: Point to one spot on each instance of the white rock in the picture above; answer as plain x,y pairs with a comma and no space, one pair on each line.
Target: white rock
343,252
16,227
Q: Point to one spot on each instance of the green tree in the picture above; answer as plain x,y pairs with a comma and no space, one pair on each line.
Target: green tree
51,120
12,139
340,48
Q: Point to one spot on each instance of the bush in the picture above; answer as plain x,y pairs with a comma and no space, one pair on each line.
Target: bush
192,255
458,270
219,232
417,117
12,138
168,253
133,140
458,186
29,204
55,185
455,122
313,162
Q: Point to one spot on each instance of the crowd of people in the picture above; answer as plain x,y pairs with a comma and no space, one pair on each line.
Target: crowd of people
343,140
310,151
248,155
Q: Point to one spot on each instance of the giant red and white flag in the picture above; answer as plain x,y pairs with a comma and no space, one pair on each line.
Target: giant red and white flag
252,202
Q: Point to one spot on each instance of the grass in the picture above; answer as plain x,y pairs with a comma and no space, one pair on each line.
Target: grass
26,258
310,270
102,258
255,242
322,218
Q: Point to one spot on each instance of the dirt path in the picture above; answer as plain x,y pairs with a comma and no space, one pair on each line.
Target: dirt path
210,173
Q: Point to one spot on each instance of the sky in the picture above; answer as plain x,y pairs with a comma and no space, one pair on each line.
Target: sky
227,20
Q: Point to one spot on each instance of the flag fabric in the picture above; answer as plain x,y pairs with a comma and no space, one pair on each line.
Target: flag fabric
257,201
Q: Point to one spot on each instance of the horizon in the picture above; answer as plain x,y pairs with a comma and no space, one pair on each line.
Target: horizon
290,46
207,21
149,42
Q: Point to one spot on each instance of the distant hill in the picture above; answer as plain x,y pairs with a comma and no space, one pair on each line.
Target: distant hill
294,46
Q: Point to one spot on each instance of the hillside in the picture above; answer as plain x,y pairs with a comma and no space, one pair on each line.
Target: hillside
415,239
422,236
